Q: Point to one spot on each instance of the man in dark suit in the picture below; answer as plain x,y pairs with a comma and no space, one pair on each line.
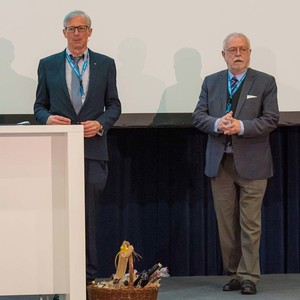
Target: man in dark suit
238,109
84,92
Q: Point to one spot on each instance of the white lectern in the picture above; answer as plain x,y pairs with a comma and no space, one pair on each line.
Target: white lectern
42,230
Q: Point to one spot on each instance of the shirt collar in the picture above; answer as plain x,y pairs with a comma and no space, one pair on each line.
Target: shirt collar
85,52
238,76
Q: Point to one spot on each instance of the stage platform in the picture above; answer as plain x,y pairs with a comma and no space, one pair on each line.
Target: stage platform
271,287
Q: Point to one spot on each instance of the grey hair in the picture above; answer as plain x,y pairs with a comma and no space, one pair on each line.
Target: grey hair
76,13
235,34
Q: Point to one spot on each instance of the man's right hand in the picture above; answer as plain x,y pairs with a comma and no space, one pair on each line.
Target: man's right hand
224,122
58,120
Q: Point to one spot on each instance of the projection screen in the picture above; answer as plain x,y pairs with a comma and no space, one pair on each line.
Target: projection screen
163,49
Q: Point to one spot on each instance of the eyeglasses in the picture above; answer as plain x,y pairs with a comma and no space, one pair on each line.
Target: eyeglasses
234,50
81,28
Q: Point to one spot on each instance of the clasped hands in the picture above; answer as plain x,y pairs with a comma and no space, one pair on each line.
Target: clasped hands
229,125
90,128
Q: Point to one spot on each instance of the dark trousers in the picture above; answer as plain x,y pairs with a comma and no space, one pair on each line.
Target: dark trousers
95,180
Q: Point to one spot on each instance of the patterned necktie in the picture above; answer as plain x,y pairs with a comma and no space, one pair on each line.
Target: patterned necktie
233,82
76,97
228,142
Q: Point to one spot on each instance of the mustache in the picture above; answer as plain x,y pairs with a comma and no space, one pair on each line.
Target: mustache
238,60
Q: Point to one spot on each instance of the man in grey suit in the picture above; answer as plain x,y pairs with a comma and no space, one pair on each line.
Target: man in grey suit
238,110
78,86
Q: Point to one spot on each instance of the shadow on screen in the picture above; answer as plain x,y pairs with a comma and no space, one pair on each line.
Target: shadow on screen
265,60
178,101
139,92
17,91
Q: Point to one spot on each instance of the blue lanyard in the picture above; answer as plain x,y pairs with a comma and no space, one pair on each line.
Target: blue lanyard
236,87
76,70
231,92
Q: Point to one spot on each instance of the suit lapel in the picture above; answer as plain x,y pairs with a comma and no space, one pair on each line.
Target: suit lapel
223,87
61,67
245,90
94,68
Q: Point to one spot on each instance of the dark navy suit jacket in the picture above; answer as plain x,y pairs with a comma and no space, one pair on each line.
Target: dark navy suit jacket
101,103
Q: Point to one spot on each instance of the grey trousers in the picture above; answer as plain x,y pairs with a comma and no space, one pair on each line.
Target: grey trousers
237,203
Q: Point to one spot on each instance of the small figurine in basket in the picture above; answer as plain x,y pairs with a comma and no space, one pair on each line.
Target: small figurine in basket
123,256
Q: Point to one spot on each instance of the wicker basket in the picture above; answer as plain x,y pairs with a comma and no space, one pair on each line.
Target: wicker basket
149,292
126,293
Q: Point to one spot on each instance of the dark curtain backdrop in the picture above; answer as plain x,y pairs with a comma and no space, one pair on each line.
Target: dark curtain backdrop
158,198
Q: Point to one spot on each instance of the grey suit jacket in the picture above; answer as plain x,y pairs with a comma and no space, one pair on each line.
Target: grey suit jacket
101,103
257,109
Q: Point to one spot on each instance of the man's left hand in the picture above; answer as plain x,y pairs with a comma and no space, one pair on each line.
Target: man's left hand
91,128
